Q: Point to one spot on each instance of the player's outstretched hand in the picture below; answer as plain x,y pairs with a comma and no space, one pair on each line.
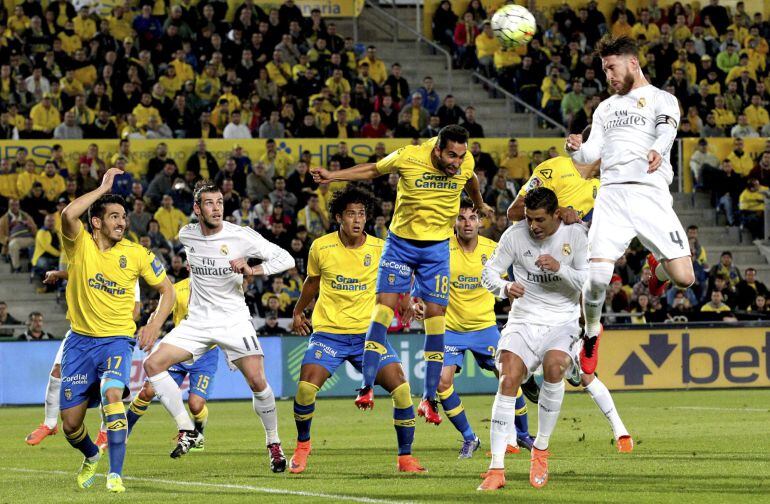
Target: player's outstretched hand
573,143
302,324
240,266
109,177
655,160
487,211
569,215
515,290
547,263
53,276
148,335
320,175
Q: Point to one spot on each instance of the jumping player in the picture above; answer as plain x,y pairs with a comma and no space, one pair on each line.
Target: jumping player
432,177
96,360
549,261
632,133
342,266
201,374
576,187
217,252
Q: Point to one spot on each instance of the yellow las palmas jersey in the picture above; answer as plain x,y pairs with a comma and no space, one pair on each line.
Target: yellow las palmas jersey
427,200
348,278
471,306
100,289
560,175
182,289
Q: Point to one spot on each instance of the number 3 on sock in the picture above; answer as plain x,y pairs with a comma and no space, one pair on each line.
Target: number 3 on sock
117,359
442,284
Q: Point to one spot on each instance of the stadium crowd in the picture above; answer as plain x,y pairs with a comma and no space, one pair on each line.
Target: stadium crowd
154,71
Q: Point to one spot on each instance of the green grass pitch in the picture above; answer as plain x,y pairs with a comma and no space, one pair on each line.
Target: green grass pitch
699,446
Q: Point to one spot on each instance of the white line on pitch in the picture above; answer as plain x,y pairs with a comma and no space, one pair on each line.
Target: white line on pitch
276,491
715,408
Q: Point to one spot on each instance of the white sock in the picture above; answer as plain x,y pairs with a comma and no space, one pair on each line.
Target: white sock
501,427
594,293
549,406
170,397
264,406
601,396
52,401
513,438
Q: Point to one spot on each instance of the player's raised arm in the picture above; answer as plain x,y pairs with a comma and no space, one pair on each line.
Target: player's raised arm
274,258
150,332
587,147
70,216
666,123
363,171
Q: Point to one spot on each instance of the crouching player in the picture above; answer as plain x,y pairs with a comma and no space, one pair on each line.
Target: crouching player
201,374
342,269
549,261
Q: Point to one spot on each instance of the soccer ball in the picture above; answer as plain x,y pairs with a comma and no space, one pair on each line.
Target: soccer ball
513,25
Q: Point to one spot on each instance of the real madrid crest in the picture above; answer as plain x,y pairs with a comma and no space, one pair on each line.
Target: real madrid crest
123,262
367,260
566,249
483,259
224,250
641,102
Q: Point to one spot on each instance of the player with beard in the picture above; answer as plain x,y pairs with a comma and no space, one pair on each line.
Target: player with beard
632,133
432,177
217,252
103,268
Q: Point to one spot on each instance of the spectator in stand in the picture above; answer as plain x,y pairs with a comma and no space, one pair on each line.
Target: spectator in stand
496,230
740,159
743,129
419,116
751,204
761,171
726,268
465,35
475,130
170,219
430,98
340,128
342,156
443,24
281,197
35,331
308,129
703,164
300,183
449,112
716,305
434,126
272,128
6,318
17,232
404,128
271,326
231,197
642,287
699,251
202,162
516,165
486,47
377,70
157,129
374,128
552,88
138,218
312,218
277,290
722,284
68,130
235,130
572,103
163,183
258,183
177,269
36,204
47,248
45,117
748,289
726,191
756,113
398,84
276,162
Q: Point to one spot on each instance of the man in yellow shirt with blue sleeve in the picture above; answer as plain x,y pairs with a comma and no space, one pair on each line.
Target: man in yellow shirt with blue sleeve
96,363
432,177
342,268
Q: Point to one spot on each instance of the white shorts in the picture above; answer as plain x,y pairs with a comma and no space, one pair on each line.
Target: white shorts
60,352
623,211
531,342
237,339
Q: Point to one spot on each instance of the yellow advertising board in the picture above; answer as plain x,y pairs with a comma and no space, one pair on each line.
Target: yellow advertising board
180,150
720,147
328,8
685,358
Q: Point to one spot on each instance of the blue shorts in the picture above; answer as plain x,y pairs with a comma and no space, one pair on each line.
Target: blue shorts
201,373
483,344
428,260
331,350
86,361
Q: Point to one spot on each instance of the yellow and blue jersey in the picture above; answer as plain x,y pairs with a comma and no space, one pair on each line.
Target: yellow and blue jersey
427,200
560,175
100,289
471,306
182,289
348,277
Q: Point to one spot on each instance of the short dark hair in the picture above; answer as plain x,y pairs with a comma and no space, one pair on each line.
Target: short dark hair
99,206
467,203
453,133
621,46
351,194
692,226
541,197
34,314
204,186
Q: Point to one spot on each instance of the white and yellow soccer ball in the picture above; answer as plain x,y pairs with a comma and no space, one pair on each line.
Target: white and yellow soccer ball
513,25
